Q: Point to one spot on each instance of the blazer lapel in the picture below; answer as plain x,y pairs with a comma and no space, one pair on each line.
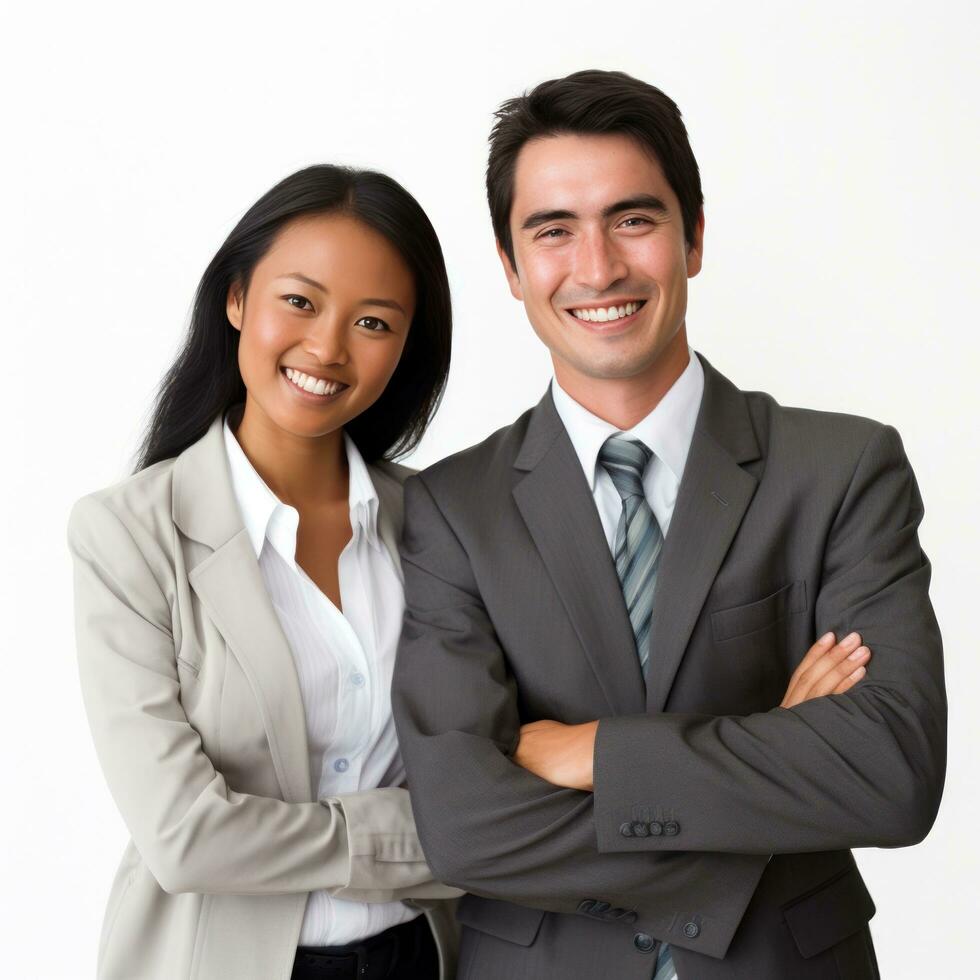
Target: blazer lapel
561,515
712,499
229,584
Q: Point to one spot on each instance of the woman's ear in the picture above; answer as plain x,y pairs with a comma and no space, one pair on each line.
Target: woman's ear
234,305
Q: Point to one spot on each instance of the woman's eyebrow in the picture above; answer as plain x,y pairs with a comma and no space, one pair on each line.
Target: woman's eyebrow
306,279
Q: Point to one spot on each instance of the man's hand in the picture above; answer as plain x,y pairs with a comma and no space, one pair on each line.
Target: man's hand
827,668
563,754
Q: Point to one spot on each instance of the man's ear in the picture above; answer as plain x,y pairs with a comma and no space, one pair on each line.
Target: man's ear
513,280
235,305
695,251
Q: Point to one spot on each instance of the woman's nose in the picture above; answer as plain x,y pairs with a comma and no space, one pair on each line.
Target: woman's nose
327,341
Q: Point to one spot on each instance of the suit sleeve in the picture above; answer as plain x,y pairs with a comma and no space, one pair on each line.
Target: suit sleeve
486,824
860,769
194,832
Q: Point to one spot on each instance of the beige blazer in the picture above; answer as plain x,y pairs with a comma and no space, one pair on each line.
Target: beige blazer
195,709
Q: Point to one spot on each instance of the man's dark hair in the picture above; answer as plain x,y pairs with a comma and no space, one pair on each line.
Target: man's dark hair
588,103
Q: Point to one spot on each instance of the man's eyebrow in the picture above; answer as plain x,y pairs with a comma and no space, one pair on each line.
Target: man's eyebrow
641,202
538,218
388,304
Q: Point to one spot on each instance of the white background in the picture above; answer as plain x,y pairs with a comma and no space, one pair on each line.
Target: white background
839,154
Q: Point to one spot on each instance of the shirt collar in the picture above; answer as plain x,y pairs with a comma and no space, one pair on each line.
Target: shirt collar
667,431
265,515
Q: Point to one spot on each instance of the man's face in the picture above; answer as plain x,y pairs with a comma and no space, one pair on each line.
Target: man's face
596,226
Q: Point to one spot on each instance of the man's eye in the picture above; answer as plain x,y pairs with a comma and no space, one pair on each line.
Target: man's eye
300,302
636,218
552,233
373,323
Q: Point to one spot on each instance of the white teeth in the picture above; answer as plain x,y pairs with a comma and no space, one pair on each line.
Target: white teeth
318,386
607,314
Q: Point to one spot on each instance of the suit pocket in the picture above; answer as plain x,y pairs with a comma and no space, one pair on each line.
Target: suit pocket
830,913
754,616
515,923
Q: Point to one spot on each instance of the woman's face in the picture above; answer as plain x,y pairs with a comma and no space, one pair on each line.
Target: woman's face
323,323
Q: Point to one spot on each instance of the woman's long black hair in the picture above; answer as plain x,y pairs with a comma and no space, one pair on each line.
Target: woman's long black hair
205,379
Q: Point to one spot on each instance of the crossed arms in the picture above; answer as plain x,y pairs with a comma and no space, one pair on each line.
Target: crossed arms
863,768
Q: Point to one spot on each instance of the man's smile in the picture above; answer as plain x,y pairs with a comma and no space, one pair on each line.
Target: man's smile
608,313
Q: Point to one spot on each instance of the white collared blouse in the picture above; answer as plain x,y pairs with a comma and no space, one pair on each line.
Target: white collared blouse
344,662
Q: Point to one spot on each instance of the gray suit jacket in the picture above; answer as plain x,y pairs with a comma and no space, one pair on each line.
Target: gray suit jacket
720,822
194,704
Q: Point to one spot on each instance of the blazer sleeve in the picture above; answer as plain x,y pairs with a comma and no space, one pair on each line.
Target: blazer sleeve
860,769
486,824
194,833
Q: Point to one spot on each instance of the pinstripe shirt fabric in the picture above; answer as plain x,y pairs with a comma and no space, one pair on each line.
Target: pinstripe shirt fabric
344,662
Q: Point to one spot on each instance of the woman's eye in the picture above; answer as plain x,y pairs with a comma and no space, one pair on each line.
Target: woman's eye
373,323
300,302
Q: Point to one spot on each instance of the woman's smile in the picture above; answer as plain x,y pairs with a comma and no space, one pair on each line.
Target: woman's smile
319,390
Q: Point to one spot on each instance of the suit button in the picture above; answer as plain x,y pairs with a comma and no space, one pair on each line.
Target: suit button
656,828
586,905
692,930
672,828
644,943
639,828
626,829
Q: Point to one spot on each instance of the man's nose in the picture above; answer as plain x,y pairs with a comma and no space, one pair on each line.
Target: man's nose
327,340
598,263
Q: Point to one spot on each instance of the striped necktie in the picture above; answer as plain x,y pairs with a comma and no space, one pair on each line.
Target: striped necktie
637,553
638,537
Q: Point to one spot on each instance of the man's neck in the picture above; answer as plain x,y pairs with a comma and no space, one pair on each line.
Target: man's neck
623,402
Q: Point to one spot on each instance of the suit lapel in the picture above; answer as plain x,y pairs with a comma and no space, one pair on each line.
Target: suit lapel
560,513
229,584
390,513
713,496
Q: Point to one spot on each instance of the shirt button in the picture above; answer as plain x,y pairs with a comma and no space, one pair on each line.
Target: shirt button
357,679
341,765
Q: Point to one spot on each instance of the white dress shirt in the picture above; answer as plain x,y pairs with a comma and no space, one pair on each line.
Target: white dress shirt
344,661
667,431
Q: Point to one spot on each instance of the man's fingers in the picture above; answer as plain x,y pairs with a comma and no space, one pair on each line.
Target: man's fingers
850,681
838,653
814,654
828,683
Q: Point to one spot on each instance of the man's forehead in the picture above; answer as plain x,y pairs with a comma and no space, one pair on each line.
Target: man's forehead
584,173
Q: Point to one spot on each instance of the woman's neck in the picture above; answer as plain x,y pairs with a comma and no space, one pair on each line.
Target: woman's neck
305,472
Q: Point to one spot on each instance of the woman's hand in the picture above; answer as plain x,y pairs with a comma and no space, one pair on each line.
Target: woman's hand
827,668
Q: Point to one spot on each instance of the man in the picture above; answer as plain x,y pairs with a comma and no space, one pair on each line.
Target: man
607,599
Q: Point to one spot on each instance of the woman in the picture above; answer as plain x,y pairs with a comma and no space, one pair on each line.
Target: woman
238,601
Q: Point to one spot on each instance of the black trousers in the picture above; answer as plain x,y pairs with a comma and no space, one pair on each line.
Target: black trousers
403,952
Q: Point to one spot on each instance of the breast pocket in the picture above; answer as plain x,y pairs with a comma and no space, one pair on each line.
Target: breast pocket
751,617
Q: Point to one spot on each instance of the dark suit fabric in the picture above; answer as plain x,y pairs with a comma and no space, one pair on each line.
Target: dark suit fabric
720,823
